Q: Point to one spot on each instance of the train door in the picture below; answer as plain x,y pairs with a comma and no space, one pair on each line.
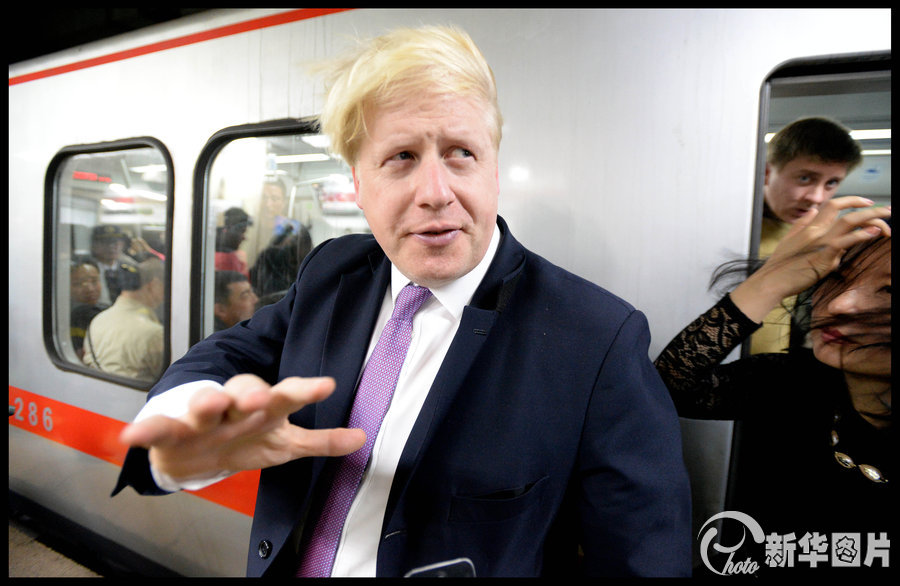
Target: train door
852,90
269,193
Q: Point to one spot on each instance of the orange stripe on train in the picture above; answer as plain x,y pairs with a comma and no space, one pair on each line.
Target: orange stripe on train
98,436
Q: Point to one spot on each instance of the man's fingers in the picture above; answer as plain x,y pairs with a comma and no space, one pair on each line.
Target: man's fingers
207,409
294,392
154,431
328,442
251,393
242,426
248,391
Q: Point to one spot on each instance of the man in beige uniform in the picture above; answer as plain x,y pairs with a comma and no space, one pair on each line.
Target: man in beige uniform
806,161
127,338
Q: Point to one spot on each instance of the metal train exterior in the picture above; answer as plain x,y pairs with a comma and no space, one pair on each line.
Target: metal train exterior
630,155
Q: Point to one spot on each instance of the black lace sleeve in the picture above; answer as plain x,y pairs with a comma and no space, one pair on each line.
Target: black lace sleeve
689,365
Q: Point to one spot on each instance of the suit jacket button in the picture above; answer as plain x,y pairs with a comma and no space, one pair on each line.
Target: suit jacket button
265,548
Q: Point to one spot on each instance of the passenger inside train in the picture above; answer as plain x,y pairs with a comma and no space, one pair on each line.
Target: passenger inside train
127,338
235,299
84,293
273,222
277,265
229,237
806,161
108,244
816,447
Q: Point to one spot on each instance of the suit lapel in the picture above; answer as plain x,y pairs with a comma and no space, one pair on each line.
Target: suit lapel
478,318
356,306
357,303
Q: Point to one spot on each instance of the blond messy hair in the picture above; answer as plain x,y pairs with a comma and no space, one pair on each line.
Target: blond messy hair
431,60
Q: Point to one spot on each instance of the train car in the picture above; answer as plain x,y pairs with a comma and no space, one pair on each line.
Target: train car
631,155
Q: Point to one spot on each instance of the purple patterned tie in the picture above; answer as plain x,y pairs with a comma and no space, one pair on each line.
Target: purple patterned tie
372,399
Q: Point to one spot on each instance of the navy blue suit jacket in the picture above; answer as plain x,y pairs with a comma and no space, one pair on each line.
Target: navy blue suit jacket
547,426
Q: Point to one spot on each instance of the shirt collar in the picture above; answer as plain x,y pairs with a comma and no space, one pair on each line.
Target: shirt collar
456,295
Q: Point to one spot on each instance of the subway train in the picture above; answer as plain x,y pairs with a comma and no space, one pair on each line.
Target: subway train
632,154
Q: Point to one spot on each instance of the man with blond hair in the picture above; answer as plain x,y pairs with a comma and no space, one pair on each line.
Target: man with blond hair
505,419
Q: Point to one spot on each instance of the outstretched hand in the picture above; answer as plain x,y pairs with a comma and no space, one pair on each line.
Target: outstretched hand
242,427
809,251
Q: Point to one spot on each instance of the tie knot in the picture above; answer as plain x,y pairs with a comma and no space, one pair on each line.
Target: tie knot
409,301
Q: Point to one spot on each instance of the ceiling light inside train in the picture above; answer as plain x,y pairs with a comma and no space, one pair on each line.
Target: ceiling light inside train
319,141
122,191
872,134
303,158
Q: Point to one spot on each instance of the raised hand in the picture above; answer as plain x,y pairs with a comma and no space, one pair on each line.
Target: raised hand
242,427
809,251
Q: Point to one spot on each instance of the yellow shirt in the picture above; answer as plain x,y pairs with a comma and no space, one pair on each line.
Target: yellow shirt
775,333
126,339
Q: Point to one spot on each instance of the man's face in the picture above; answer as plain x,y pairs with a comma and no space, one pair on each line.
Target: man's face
426,179
241,303
85,281
235,235
107,250
801,185
273,199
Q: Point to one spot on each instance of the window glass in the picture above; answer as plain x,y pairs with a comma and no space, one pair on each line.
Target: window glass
109,294
270,200
852,90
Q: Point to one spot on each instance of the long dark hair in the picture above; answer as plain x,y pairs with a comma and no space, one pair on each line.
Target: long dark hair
854,263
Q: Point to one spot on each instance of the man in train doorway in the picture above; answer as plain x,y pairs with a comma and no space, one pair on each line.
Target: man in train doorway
526,418
806,161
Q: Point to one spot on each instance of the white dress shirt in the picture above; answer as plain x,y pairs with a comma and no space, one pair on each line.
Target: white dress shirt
434,327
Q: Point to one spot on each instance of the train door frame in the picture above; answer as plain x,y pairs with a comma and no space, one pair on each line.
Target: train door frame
826,69
200,209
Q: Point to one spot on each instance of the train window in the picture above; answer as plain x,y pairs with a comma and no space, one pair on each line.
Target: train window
853,90
272,192
107,223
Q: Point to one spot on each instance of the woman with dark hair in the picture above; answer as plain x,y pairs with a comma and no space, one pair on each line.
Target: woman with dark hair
814,452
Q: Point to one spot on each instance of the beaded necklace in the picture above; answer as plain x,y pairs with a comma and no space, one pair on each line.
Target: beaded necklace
869,471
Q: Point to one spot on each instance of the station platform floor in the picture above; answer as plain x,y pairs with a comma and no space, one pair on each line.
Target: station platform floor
30,557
